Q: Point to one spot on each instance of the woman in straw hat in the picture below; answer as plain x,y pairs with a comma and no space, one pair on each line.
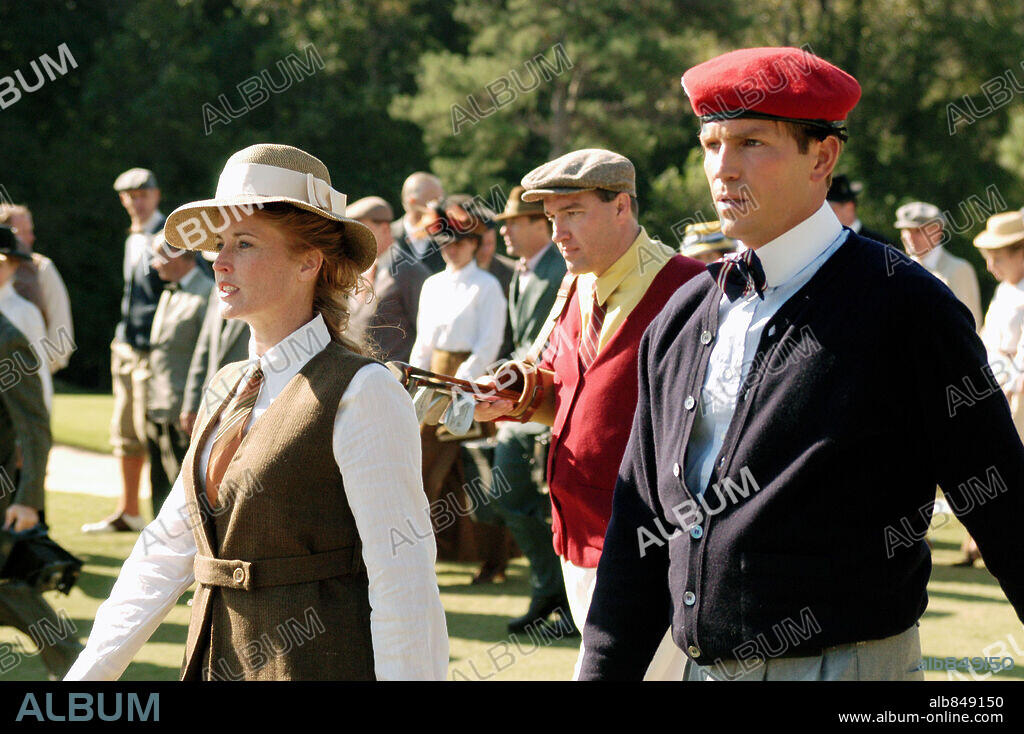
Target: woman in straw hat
304,460
1002,245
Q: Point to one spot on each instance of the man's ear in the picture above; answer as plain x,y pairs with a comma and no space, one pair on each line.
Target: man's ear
622,206
826,158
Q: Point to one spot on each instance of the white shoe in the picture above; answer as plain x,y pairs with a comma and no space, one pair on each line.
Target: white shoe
123,523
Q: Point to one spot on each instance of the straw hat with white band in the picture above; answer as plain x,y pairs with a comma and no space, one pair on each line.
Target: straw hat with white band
1001,230
264,174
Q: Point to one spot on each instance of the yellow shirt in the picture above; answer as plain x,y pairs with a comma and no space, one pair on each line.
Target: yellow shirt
620,287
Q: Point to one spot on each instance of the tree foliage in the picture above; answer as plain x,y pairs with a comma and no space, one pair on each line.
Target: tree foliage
480,91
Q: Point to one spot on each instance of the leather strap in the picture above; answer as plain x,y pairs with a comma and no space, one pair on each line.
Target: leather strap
249,575
557,309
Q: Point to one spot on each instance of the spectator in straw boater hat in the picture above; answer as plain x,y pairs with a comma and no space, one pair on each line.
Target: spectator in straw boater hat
704,241
302,459
721,524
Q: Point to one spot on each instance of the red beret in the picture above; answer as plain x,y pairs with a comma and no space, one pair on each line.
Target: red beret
772,83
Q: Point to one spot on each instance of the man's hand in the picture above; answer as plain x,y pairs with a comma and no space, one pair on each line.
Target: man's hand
486,411
187,420
22,517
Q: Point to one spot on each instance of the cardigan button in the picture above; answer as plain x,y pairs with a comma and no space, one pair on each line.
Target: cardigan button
693,651
696,532
689,598
675,469
239,576
705,337
689,402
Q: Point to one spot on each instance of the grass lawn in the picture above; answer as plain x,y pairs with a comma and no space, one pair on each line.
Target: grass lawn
967,612
82,420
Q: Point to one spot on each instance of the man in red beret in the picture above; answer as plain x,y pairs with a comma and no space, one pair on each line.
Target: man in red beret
761,508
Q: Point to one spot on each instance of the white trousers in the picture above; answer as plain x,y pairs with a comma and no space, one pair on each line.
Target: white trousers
668,661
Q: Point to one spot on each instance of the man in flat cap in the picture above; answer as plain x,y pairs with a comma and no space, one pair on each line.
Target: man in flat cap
621,280
921,228
764,529
522,505
140,196
842,197
387,317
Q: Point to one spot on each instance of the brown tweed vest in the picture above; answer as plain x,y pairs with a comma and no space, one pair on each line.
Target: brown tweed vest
282,590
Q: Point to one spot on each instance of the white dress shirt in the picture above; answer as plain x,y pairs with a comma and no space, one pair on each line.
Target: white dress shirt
789,261
377,449
1001,333
138,242
525,276
27,318
930,260
461,311
420,245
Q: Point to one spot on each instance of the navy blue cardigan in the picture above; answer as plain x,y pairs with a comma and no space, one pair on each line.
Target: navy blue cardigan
869,387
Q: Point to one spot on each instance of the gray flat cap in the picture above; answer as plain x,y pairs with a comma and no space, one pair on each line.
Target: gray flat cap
917,214
135,178
373,208
581,170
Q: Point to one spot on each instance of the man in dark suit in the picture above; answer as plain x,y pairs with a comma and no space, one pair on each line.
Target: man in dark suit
220,342
760,507
24,422
176,326
520,500
409,233
140,196
387,318
842,197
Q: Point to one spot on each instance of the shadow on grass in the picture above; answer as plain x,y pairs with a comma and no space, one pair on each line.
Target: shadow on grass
964,575
493,628
150,671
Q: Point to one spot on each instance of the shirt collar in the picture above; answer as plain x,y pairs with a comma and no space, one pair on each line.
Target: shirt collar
930,260
856,226
531,264
149,226
794,250
188,277
283,361
7,288
465,273
655,254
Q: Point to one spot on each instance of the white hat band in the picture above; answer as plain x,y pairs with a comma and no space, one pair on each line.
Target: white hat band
256,178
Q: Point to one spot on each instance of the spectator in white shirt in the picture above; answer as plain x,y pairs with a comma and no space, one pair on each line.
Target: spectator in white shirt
38,281
460,327
290,513
23,314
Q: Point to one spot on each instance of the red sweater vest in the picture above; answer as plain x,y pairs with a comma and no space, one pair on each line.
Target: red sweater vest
594,415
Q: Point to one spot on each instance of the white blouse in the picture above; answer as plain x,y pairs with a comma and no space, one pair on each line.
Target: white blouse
28,319
1001,333
377,449
461,311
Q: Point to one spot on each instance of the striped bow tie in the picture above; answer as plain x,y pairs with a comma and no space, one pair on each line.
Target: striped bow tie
739,275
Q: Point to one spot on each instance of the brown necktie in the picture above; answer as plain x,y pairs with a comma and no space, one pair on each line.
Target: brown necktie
590,340
231,431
